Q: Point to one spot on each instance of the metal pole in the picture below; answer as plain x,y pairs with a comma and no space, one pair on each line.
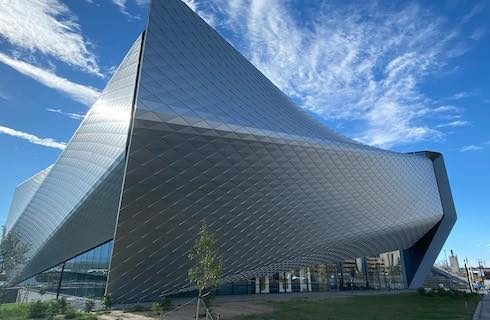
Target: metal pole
60,281
468,275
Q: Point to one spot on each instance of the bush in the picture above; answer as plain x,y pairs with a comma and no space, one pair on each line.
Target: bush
163,305
63,305
166,304
37,310
107,302
431,293
441,292
89,306
421,291
156,307
52,309
137,308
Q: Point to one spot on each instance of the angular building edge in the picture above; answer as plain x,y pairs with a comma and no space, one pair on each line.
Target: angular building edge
418,260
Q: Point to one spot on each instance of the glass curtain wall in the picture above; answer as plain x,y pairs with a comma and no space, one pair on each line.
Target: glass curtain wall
47,281
84,275
365,273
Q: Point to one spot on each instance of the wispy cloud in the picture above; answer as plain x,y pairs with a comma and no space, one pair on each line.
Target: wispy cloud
478,34
4,96
364,61
122,5
78,92
48,27
470,148
460,95
75,116
456,123
203,10
47,142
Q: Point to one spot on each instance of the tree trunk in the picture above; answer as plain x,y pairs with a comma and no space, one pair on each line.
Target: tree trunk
198,304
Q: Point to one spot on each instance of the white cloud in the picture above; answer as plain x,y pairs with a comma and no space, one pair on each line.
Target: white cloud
84,94
4,96
470,148
456,123
74,116
47,142
49,27
460,95
447,109
478,33
364,61
206,12
122,5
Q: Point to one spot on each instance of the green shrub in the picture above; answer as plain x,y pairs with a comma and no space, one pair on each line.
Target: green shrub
14,311
52,309
137,308
431,293
89,306
421,291
63,305
37,310
107,302
166,304
156,307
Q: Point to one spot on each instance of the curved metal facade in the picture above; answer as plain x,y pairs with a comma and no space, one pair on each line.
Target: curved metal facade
212,139
80,193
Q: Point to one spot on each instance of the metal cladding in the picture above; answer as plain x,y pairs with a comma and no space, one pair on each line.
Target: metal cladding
23,194
75,205
212,140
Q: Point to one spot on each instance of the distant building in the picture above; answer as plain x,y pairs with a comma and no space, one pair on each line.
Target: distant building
453,263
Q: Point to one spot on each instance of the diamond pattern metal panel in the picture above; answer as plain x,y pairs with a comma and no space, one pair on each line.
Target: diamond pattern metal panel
94,153
23,195
214,140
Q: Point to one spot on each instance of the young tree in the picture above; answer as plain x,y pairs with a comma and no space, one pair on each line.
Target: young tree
13,252
205,273
107,302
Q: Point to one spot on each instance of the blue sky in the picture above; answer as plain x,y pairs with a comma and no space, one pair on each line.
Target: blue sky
404,76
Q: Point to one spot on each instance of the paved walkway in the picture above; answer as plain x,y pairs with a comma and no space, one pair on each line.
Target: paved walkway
483,311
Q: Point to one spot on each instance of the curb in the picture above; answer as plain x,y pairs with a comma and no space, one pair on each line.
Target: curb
476,315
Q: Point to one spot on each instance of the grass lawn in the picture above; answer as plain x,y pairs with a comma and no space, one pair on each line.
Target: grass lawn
14,311
20,311
399,307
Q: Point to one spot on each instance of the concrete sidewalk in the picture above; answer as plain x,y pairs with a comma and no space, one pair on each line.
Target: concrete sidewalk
483,310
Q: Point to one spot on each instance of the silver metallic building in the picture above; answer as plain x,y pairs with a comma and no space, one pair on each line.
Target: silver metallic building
187,131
